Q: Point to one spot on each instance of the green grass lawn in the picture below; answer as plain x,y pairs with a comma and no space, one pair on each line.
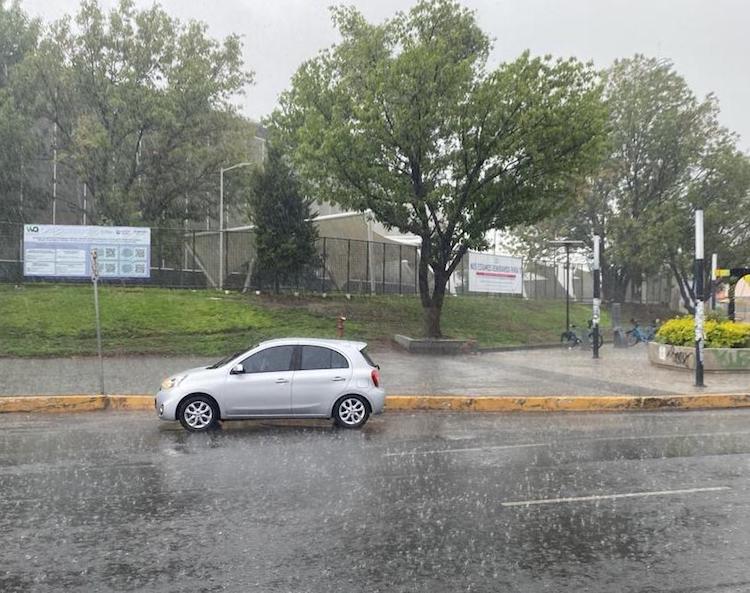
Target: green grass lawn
54,320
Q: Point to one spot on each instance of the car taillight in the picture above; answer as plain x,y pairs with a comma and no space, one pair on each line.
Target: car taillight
375,377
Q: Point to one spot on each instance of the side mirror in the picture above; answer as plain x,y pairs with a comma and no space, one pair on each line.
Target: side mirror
237,369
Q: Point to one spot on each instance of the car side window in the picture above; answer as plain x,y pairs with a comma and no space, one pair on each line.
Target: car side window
270,360
317,357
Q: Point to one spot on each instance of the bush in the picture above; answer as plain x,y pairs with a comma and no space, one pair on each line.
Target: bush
719,334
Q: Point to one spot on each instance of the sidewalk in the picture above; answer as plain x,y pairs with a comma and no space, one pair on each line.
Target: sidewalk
520,374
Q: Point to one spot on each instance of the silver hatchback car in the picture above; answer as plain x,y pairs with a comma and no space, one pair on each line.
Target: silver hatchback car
287,378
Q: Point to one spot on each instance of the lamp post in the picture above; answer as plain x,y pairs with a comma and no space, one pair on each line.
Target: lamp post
699,308
567,244
597,296
221,218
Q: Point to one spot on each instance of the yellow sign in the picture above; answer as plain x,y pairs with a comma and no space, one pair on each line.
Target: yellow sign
722,273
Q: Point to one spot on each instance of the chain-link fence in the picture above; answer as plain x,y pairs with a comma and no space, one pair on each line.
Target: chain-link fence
211,259
183,258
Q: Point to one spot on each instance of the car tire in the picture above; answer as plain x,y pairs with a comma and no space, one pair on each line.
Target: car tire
351,411
198,413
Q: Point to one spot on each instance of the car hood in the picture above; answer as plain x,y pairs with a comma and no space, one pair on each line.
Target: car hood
196,373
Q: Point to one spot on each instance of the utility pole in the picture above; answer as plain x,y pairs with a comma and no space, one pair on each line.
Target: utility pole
54,171
596,313
699,311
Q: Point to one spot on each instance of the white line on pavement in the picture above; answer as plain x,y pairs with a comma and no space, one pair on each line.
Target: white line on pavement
523,503
466,450
665,436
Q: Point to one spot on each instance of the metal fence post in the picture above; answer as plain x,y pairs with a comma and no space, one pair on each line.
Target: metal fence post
225,242
416,271
323,270
348,262
554,284
382,287
581,297
367,262
400,268
192,274
160,252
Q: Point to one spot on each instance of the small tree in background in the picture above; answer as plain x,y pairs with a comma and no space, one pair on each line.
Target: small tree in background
284,234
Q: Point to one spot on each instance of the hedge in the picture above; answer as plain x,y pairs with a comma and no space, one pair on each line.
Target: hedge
718,334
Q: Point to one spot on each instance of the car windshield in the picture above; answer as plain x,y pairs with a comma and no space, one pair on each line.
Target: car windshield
225,360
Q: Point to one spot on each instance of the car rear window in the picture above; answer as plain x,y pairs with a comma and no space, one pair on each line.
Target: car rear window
369,360
317,357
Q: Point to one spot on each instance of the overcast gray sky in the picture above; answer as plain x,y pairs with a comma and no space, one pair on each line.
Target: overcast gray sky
708,40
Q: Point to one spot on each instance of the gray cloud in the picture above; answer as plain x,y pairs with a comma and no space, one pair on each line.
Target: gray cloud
707,40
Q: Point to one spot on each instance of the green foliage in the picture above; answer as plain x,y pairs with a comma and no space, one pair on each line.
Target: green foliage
284,232
19,141
718,334
667,156
403,119
141,104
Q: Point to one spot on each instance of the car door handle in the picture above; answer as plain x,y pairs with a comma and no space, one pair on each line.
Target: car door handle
281,380
338,379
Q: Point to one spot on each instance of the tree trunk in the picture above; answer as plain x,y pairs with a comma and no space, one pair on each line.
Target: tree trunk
731,295
686,291
433,310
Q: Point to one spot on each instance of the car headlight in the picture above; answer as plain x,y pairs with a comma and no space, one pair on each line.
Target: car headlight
171,382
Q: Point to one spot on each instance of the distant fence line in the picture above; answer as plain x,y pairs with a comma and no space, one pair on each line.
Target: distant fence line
191,259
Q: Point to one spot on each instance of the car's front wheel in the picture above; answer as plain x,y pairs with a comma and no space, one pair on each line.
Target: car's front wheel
351,411
198,413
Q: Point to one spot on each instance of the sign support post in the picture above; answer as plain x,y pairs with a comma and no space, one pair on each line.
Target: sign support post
596,313
95,281
699,310
714,266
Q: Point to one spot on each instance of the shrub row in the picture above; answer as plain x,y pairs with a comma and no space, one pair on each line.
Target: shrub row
680,331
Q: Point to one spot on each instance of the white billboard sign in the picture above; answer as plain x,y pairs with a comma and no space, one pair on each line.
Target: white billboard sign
64,251
495,273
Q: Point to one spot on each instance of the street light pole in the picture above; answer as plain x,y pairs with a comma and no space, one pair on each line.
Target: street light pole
567,243
597,297
699,310
567,287
221,218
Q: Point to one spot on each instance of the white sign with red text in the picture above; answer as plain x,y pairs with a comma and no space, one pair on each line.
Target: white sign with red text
495,273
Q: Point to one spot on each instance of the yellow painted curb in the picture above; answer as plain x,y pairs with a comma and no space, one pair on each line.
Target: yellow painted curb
447,403
604,403
52,403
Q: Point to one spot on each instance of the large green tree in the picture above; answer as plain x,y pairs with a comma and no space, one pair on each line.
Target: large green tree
142,106
19,141
403,119
281,214
667,156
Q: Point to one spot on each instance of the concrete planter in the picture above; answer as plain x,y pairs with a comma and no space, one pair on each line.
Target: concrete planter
428,346
714,359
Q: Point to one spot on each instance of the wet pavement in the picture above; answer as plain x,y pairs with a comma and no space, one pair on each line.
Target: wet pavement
517,373
646,502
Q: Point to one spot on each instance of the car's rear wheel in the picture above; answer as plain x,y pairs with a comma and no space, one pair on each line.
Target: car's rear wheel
199,413
351,411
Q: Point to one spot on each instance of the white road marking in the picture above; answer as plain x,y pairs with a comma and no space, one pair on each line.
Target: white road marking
523,503
466,450
584,439
663,436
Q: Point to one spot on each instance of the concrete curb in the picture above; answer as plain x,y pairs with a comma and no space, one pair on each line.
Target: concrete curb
447,403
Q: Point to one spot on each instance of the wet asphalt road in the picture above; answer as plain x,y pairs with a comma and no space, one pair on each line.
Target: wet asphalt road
647,502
